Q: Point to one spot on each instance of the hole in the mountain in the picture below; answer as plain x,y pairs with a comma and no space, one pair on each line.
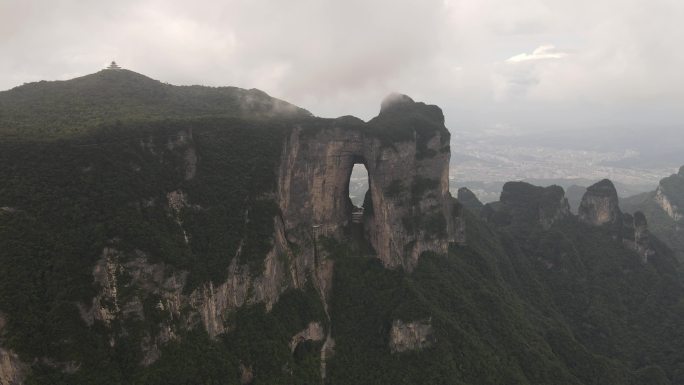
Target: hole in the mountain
360,206
358,184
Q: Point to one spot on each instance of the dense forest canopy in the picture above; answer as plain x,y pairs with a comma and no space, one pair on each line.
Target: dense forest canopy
57,109
183,178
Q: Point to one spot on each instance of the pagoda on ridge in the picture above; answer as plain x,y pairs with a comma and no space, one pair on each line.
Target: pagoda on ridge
113,66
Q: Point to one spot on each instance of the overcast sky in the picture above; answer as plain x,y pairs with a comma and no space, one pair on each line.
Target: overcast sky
506,65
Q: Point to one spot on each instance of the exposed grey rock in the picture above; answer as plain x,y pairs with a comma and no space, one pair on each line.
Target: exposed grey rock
408,174
672,209
327,352
636,236
408,180
313,332
599,205
105,305
406,336
177,201
209,303
12,370
214,302
246,374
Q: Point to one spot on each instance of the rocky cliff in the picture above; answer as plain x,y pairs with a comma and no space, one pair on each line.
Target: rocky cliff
12,369
670,195
523,204
226,249
408,209
663,209
636,235
599,205
664,202
407,336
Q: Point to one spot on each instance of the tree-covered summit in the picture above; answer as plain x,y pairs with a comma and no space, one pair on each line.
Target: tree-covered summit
53,109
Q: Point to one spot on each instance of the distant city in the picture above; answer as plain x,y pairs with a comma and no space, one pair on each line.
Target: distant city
483,163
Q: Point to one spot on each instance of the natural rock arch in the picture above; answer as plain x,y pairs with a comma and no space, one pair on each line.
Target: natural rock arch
358,168
406,153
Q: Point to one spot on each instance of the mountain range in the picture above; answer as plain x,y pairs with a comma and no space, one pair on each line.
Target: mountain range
155,234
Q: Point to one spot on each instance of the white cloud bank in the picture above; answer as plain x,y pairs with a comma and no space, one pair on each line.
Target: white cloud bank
543,52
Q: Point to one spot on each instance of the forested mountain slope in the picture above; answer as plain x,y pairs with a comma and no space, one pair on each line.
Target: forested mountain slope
66,108
664,209
186,249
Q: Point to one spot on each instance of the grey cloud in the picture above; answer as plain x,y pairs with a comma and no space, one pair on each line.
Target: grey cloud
342,57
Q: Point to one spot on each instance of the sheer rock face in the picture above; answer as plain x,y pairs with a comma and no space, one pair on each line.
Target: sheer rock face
408,209
599,205
12,370
313,332
636,235
206,306
105,305
407,336
523,203
666,203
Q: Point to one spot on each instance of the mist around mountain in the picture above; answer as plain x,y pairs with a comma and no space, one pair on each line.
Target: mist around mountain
143,241
57,109
634,158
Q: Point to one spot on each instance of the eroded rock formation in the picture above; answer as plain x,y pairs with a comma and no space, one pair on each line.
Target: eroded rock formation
313,332
599,205
408,209
523,203
636,235
670,195
12,370
209,303
407,336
